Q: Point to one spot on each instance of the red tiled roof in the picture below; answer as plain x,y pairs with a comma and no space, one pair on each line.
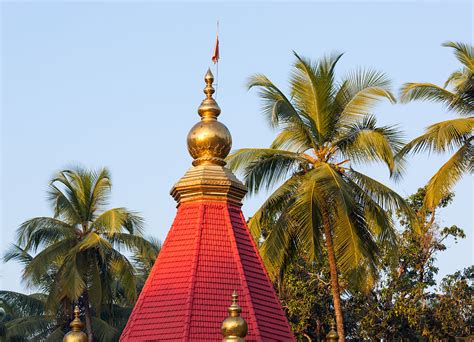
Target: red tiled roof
207,254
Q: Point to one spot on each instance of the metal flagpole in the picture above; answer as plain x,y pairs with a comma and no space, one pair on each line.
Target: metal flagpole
217,60
217,77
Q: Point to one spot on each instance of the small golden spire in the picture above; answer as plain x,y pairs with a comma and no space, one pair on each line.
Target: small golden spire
76,334
234,328
209,79
332,335
209,141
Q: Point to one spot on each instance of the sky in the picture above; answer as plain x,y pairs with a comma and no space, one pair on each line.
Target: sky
117,84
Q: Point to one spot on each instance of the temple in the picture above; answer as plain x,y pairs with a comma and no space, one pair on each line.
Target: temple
208,253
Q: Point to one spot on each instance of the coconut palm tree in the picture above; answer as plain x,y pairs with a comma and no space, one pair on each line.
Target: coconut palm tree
27,318
24,318
450,135
78,253
324,130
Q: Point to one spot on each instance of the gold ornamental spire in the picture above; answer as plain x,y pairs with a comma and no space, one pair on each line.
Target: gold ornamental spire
234,328
209,141
332,335
76,334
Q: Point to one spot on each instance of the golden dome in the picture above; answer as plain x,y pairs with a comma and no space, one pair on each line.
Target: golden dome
209,141
332,335
76,334
234,327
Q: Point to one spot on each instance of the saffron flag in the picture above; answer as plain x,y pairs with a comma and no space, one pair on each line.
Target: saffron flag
215,56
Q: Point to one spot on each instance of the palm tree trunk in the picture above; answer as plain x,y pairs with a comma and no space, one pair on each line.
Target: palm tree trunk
87,314
336,296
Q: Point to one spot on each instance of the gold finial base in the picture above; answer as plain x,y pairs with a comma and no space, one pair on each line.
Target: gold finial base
209,182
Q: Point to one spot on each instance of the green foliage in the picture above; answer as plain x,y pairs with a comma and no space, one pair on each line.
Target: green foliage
451,135
405,301
81,255
452,307
324,130
306,297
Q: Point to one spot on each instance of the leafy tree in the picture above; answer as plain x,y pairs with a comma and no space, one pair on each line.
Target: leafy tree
324,130
306,298
452,306
405,303
77,255
449,135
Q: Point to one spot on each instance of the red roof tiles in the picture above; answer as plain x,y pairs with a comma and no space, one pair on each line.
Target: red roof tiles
207,254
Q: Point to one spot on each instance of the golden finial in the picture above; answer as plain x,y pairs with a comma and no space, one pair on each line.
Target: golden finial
234,327
332,335
76,334
209,141
209,79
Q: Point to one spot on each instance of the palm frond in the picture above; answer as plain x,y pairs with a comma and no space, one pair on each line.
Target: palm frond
71,196
103,330
117,220
457,79
464,53
377,211
29,327
126,274
449,174
56,335
360,91
277,108
64,207
312,89
434,93
273,207
93,241
442,136
385,197
101,190
72,278
364,142
40,264
43,231
18,254
263,168
145,251
353,242
305,214
23,305
292,138
280,246
288,217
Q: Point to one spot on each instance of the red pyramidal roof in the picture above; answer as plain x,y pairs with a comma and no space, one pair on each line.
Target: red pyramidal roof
207,254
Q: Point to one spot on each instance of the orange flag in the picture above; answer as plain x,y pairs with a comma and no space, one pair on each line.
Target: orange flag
215,56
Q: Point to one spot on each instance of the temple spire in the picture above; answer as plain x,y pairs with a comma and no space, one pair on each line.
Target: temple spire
332,335
234,327
208,252
76,334
209,141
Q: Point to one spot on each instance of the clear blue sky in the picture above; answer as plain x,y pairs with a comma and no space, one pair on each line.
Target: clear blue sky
117,84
